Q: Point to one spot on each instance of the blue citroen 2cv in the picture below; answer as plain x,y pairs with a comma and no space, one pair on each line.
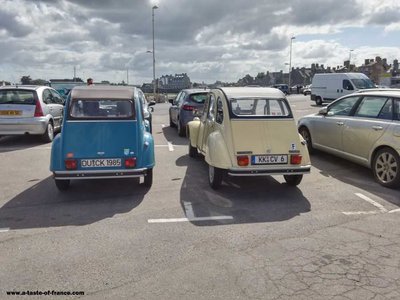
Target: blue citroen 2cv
104,135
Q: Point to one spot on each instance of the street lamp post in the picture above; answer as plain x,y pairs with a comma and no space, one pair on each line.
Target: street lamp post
290,61
351,50
154,55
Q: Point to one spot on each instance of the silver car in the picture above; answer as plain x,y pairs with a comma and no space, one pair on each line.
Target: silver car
36,110
363,127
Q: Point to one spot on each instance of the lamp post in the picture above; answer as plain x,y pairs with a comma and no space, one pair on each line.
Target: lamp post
351,50
154,55
290,61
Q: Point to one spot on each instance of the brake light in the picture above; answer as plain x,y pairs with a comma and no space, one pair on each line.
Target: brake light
188,107
71,164
130,162
38,109
295,159
243,160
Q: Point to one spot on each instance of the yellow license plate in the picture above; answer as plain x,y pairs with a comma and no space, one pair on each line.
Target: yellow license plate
10,112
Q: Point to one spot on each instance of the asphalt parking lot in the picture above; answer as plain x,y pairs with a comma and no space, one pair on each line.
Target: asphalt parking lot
335,236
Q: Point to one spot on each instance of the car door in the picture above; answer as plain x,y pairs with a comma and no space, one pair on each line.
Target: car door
203,120
57,105
371,119
327,132
209,122
175,109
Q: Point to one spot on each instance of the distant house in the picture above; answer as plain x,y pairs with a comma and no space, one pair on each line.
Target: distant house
171,84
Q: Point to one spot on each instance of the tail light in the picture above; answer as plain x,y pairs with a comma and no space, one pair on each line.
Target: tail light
243,160
130,162
71,164
38,109
295,159
188,107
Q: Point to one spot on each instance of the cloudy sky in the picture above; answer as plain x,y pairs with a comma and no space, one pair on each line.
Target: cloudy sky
208,39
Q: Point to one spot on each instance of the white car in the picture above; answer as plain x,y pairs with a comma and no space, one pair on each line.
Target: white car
36,110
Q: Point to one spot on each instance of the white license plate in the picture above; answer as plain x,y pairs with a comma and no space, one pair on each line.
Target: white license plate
100,163
269,159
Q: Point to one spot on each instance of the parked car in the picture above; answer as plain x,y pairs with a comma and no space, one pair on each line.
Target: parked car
248,132
283,87
327,87
307,90
104,136
147,109
181,111
36,110
363,127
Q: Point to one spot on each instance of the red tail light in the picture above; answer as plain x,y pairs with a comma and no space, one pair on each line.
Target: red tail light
130,162
188,107
243,160
38,109
295,159
71,164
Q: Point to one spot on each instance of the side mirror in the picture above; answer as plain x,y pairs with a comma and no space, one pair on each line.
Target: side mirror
323,111
151,103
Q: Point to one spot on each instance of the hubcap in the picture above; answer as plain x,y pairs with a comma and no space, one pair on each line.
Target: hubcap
50,131
386,167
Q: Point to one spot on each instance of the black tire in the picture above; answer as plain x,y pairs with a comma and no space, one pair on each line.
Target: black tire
181,129
48,135
386,168
215,177
148,178
305,133
318,101
171,124
193,151
62,185
293,180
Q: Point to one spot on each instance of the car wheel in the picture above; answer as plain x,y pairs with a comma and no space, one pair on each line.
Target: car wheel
318,101
305,133
192,151
148,178
386,168
171,124
214,177
293,180
48,135
62,185
181,129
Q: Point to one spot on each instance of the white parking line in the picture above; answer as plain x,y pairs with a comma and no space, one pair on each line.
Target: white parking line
197,219
350,213
4,229
170,147
394,210
376,204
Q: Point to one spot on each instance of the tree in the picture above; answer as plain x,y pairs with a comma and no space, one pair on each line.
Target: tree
26,80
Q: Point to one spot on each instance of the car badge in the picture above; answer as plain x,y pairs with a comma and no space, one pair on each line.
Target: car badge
126,151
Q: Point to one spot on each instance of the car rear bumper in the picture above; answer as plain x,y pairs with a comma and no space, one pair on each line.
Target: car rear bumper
264,172
20,126
99,174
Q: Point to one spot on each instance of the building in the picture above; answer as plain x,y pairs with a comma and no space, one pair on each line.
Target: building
173,84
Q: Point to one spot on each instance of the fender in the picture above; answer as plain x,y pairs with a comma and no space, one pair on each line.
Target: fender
217,153
56,161
193,131
304,151
147,156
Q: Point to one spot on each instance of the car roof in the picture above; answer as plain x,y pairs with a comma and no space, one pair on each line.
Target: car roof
103,92
244,92
382,92
25,87
192,91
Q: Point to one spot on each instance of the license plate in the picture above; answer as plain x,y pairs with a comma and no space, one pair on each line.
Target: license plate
100,163
269,159
10,112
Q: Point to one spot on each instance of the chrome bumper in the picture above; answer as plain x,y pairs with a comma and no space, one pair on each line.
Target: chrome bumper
99,174
23,126
265,172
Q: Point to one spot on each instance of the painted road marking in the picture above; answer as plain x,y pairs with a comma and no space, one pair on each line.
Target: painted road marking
4,229
196,219
394,210
376,204
350,213
170,147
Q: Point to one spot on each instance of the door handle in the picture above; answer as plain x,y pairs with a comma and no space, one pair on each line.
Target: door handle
340,123
376,128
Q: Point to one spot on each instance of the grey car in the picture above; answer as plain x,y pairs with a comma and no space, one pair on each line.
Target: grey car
181,111
363,127
36,110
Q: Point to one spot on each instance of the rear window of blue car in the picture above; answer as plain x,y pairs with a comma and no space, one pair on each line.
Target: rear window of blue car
17,96
101,109
198,98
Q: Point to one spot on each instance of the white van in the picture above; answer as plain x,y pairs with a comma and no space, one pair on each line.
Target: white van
327,87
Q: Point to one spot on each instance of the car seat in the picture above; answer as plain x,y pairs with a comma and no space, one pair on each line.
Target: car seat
91,108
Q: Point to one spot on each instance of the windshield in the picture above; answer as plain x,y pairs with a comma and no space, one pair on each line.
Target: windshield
101,109
259,108
17,97
363,83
